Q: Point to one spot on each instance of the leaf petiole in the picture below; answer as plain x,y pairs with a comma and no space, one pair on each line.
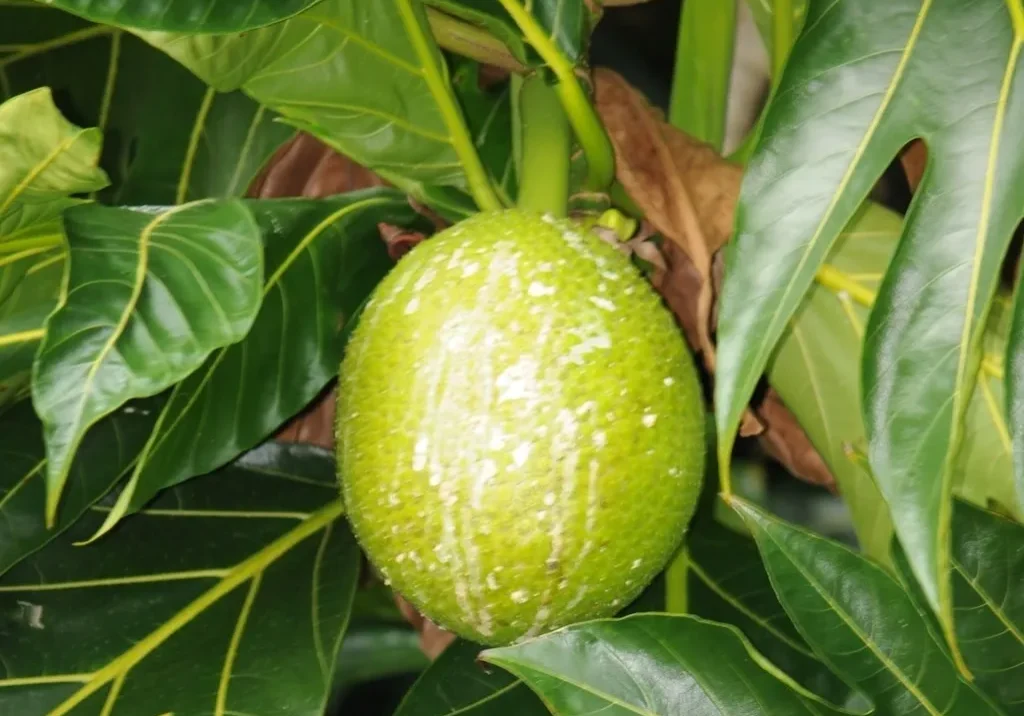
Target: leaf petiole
584,120
543,147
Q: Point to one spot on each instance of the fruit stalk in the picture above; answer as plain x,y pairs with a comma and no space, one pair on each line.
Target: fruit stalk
543,148
584,120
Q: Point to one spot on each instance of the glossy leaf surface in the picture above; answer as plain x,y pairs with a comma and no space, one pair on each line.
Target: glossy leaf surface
366,78
158,617
323,257
893,74
185,15
149,296
861,622
456,683
44,159
728,584
988,569
159,146
106,453
374,651
815,371
654,664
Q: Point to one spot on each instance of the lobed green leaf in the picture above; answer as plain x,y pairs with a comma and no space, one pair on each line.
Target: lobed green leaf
861,622
252,626
148,296
323,257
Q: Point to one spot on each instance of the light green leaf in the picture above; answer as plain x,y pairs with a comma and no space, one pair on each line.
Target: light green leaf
364,77
456,683
44,159
323,257
816,367
148,296
229,595
892,74
988,566
185,15
815,371
861,622
653,665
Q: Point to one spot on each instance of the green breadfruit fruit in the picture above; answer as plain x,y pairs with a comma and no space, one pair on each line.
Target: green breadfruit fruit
520,428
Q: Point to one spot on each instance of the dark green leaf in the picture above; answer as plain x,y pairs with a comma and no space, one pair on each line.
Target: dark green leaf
861,622
456,683
365,77
167,138
489,116
893,74
323,257
44,159
149,296
728,584
653,665
229,594
988,569
185,15
377,650
106,453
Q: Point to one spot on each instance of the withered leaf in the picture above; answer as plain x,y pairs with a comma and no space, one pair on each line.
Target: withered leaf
914,157
685,189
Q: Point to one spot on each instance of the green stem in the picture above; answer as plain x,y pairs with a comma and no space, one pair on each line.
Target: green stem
44,241
782,37
479,182
676,577
703,69
470,41
543,148
582,116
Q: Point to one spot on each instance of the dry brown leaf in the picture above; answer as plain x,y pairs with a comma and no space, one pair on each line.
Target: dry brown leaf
685,189
433,639
399,239
787,442
914,159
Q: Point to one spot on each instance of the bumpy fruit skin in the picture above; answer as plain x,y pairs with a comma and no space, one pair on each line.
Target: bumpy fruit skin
520,428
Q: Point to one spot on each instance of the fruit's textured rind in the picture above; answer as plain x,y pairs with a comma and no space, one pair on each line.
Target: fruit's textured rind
520,428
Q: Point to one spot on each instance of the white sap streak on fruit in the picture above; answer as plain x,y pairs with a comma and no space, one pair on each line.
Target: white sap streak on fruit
596,340
603,303
521,454
503,265
413,304
593,502
649,420
518,381
537,289
419,455
434,368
